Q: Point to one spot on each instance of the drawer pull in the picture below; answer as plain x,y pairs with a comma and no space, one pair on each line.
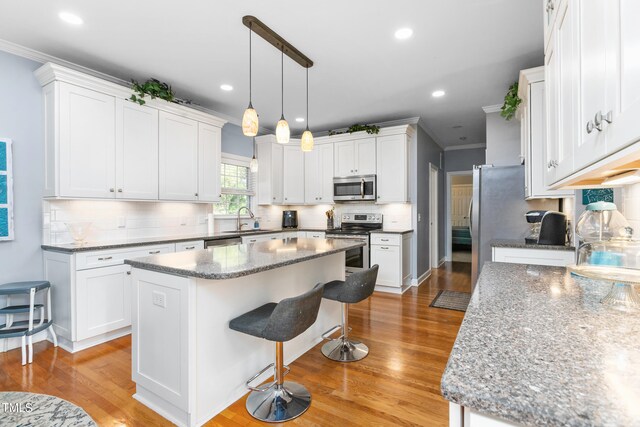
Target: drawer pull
128,273
105,258
188,248
384,240
384,247
154,252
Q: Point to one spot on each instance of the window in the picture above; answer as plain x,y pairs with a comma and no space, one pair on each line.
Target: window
237,186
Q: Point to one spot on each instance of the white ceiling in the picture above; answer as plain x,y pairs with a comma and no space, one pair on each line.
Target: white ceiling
472,49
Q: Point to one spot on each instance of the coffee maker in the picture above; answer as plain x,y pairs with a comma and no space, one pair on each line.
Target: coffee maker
289,219
547,228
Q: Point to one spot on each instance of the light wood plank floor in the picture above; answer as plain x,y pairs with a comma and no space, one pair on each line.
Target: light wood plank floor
397,384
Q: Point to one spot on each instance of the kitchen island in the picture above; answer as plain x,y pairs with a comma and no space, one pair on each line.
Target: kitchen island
187,364
536,347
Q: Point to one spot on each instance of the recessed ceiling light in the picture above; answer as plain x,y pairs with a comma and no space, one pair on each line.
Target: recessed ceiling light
226,88
437,93
70,18
299,119
404,33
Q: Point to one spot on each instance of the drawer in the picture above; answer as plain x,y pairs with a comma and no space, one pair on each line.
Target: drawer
193,245
93,259
262,238
548,257
315,235
386,239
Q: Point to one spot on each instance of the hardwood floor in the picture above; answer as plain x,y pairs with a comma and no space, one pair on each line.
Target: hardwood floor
397,384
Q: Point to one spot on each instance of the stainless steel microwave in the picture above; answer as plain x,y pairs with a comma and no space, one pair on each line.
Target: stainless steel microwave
354,188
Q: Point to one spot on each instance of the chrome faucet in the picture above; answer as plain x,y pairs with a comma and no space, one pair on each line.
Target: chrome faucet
238,225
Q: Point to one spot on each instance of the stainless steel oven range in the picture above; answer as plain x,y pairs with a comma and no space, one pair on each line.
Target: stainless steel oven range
356,226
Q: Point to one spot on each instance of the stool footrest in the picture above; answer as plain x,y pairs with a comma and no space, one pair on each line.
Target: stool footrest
15,309
326,335
265,369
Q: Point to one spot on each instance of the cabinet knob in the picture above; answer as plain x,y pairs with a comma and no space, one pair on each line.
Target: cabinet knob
599,119
196,194
128,273
112,190
119,190
550,6
590,126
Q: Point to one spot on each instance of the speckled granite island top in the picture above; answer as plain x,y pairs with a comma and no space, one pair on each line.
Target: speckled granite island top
521,244
227,262
536,347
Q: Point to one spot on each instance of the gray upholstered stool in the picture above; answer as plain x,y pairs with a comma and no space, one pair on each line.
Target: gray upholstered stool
279,400
357,287
26,329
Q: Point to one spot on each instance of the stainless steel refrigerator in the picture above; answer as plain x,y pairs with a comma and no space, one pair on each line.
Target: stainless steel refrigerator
497,210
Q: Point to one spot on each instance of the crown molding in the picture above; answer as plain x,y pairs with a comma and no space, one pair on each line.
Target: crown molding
43,58
465,147
492,108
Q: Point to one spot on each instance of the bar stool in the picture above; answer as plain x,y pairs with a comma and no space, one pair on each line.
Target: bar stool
279,400
26,329
357,287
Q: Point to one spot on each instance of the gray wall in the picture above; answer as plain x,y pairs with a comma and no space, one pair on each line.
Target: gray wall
425,151
463,160
503,140
234,142
22,120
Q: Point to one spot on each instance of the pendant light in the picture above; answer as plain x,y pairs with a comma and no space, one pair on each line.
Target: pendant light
250,116
306,143
253,165
282,129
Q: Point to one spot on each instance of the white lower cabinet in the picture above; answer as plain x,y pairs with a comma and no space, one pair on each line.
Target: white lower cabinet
551,257
91,294
190,246
315,234
262,237
103,300
392,254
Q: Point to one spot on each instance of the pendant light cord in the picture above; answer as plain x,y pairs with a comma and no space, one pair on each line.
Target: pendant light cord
282,80
250,31
307,98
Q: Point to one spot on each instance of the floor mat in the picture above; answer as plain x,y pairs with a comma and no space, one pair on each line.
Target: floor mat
451,300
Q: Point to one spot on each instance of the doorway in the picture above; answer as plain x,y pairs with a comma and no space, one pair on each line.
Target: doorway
458,232
433,216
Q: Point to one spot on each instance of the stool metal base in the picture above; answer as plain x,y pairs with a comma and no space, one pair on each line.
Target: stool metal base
344,350
279,403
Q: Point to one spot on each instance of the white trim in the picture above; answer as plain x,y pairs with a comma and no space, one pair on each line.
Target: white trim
492,108
448,247
465,147
43,58
421,279
234,159
434,195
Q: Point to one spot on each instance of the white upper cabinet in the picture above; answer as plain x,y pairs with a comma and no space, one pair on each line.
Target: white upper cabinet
136,151
550,9
178,157
209,160
392,168
355,157
593,69
623,79
99,145
293,174
270,173
318,175
87,143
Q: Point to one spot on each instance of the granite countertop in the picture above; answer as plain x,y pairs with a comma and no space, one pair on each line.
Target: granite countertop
227,262
520,244
114,244
537,347
386,231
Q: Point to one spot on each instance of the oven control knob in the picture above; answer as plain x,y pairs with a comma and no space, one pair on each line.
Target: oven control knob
346,217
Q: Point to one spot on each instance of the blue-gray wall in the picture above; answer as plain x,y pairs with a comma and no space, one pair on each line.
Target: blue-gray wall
426,152
234,142
22,120
463,160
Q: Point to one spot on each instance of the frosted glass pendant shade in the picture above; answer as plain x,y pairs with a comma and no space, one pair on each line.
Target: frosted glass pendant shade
306,144
253,165
250,122
282,131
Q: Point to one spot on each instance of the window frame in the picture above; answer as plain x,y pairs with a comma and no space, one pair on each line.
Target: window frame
232,159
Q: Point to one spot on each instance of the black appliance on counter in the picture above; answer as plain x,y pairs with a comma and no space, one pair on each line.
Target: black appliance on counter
289,219
547,228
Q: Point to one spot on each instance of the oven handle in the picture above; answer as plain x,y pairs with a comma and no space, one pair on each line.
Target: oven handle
362,188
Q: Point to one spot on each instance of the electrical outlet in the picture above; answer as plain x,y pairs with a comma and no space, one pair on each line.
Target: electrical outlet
202,219
122,222
419,217
159,299
183,221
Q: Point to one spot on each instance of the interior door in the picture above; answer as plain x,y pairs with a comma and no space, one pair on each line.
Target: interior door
460,198
87,143
136,151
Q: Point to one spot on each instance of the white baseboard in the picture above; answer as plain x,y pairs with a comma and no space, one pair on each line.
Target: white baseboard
442,261
392,289
422,278
75,346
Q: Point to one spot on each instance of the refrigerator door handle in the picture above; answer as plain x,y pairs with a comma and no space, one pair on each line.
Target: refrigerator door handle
470,215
